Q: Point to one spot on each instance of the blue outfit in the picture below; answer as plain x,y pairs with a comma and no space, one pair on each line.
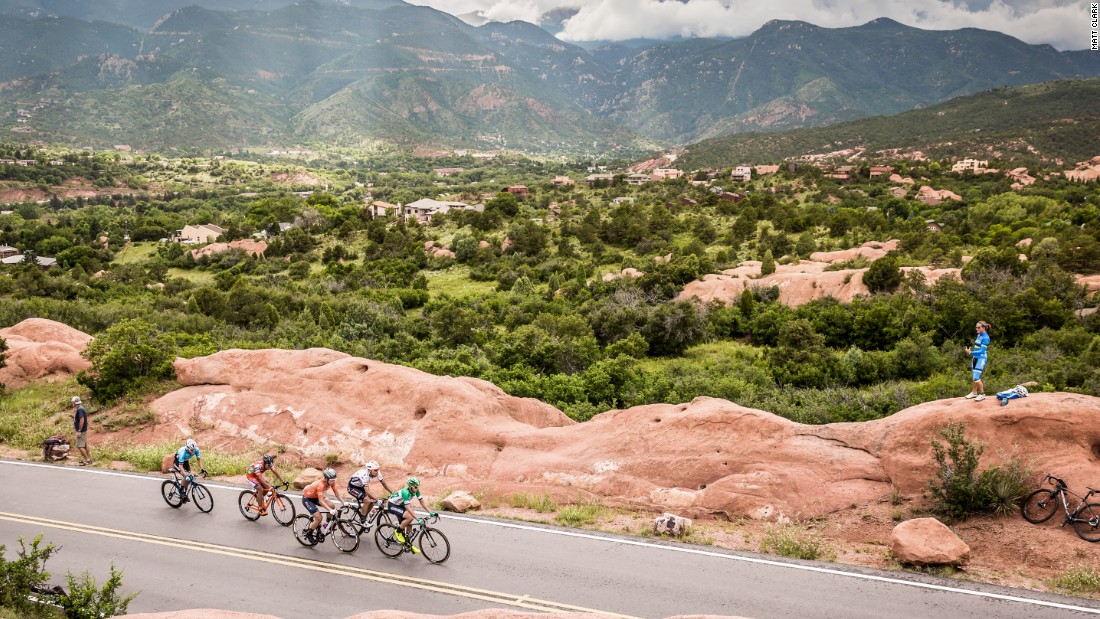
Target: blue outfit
182,457
979,354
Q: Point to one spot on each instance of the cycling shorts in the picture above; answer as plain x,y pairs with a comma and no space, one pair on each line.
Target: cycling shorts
396,509
357,491
977,366
185,465
256,480
311,505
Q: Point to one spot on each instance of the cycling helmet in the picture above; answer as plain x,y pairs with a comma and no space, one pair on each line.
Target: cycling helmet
1020,391
413,482
191,445
371,466
330,473
269,459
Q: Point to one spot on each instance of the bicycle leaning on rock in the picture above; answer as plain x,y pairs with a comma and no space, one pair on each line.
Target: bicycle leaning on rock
1040,505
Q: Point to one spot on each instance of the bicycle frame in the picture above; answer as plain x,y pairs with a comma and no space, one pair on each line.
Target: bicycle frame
1082,501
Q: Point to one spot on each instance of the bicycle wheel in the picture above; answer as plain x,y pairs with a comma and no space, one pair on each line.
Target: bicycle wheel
386,542
1039,506
282,509
1087,522
247,502
301,527
171,493
434,545
201,497
345,536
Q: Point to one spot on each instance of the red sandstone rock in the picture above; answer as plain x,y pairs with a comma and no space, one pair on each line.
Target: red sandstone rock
708,456
40,348
927,541
871,250
254,248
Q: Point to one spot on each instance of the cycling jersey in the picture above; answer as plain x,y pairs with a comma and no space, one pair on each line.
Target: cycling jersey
981,344
317,489
362,478
404,496
183,455
259,467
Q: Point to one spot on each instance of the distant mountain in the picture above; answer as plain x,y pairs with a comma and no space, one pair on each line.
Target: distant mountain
357,72
1053,121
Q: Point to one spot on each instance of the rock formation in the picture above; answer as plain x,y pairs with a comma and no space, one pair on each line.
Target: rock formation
253,248
706,457
927,541
42,349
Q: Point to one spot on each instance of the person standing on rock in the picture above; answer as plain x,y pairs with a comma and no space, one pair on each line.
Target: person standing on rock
979,354
80,426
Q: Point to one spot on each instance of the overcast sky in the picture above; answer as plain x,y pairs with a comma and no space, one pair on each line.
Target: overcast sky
1061,23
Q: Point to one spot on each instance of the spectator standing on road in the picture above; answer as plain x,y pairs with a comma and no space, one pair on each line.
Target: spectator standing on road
979,355
80,425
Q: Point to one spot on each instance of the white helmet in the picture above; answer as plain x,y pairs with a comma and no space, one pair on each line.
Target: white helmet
191,445
330,473
1020,391
371,466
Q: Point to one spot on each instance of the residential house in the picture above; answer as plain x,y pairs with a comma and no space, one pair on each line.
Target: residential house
972,165
517,190
637,179
43,261
7,162
56,162
26,163
599,179
425,208
202,233
742,173
661,174
379,208
842,173
445,172
624,200
933,225
7,251
881,170
562,181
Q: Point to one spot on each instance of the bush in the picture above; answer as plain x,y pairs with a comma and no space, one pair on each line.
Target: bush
959,491
579,515
125,356
87,601
791,540
1078,580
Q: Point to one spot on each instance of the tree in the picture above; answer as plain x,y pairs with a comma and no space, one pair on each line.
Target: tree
125,356
767,267
883,275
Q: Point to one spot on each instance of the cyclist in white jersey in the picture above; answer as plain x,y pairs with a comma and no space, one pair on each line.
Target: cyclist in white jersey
359,486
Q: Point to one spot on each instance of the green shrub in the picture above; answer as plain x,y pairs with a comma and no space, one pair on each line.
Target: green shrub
791,540
125,356
19,576
579,515
959,491
541,504
1078,580
85,600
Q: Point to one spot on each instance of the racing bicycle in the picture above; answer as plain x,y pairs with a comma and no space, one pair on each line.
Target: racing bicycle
352,519
424,540
1040,505
343,535
175,495
279,504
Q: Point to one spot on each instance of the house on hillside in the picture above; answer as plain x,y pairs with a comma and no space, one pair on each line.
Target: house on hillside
7,251
44,262
378,208
445,172
933,226
562,181
880,170
599,179
766,169
742,173
972,165
661,174
517,190
425,208
202,233
637,179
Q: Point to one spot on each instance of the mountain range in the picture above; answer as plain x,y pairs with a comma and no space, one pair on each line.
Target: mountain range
363,73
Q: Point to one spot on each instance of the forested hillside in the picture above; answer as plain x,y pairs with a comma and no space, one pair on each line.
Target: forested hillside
530,300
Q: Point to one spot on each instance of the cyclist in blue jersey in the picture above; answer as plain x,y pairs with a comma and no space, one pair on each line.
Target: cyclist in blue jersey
979,355
189,450
398,502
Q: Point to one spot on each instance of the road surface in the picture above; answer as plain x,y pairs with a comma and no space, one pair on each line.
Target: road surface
181,558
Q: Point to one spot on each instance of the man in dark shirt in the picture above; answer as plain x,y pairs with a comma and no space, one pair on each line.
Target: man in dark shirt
80,425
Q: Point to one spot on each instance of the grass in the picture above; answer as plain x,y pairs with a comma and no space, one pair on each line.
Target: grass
456,282
1083,580
795,541
30,414
148,457
136,253
541,504
201,278
579,515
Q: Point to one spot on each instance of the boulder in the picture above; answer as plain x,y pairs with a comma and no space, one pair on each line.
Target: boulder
460,501
699,458
167,462
671,524
927,541
42,349
253,248
306,477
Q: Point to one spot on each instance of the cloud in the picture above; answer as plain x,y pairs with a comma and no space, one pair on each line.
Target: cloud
1061,23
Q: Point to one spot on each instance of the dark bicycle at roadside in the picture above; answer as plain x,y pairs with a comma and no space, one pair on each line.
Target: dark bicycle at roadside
1040,505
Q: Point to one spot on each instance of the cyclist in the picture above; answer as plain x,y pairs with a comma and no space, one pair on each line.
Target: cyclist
359,486
397,506
313,497
255,477
190,449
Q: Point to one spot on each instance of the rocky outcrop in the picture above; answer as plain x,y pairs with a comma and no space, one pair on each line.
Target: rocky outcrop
252,248
872,250
42,349
927,541
705,457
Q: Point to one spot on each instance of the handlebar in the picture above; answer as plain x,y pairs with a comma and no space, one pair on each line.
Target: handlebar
1057,482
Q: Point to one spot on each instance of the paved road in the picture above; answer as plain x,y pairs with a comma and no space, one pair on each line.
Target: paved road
185,559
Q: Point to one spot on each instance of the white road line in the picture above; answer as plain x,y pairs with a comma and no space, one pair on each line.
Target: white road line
644,544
